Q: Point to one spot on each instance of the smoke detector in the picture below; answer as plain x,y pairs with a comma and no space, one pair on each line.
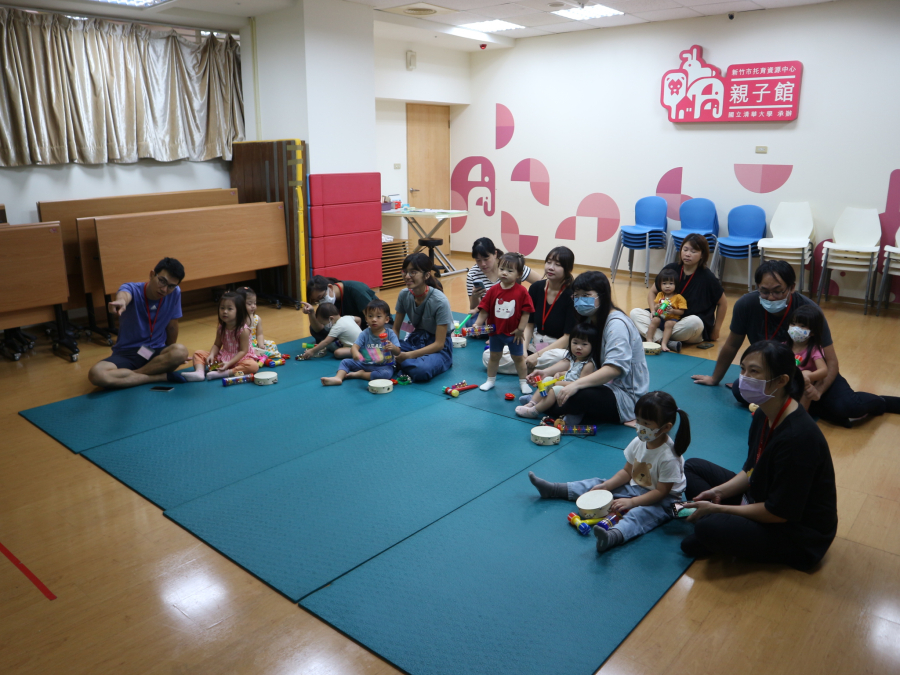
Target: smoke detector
420,10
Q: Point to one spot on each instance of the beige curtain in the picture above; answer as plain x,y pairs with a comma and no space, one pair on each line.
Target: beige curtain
93,92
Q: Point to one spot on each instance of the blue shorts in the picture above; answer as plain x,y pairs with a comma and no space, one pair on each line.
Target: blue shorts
130,359
498,342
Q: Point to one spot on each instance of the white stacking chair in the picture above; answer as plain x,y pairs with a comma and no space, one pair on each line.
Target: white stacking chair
792,238
857,241
891,268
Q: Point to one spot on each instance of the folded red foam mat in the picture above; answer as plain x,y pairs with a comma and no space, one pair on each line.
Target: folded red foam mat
366,271
335,219
346,248
344,188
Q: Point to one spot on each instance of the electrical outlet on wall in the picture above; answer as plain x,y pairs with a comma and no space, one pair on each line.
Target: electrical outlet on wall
762,149
396,166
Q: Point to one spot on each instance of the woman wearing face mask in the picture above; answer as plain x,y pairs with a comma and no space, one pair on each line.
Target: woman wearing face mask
765,314
782,506
350,297
608,395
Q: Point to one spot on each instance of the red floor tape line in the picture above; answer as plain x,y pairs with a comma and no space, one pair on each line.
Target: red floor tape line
28,573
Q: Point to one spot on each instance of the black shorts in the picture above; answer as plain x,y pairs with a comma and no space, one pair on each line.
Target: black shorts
130,359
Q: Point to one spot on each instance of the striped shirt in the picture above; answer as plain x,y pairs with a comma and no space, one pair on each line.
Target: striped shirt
475,274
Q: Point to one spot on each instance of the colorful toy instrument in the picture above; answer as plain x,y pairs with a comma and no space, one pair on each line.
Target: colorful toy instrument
583,525
579,430
609,521
237,379
386,348
462,323
487,329
545,385
272,363
455,391
663,306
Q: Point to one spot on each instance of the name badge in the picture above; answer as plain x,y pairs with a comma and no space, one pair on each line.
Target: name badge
145,352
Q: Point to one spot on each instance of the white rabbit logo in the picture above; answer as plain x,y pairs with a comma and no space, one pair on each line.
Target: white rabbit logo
504,310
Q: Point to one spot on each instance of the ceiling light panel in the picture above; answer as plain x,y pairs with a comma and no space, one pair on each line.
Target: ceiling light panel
491,26
588,12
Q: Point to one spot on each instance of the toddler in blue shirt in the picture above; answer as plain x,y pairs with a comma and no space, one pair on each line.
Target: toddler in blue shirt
373,359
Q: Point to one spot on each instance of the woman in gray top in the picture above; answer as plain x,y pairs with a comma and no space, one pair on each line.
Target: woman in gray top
608,395
428,348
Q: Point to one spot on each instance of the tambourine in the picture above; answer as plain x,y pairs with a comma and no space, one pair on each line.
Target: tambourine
381,386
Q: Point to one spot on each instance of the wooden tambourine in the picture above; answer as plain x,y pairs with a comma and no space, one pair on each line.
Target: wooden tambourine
545,435
267,377
381,386
459,342
652,348
594,504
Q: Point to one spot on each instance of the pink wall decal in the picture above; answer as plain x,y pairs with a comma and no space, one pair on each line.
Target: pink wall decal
763,177
462,183
669,188
535,173
604,209
506,125
512,240
566,229
890,224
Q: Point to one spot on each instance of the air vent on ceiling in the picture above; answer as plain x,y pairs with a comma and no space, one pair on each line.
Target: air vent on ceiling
419,9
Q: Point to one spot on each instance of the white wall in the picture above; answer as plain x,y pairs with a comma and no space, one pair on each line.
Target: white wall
441,75
22,187
586,104
340,74
281,54
316,81
390,135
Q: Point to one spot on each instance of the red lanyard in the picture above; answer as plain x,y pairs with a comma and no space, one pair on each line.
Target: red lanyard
681,278
152,321
340,287
787,310
545,313
764,434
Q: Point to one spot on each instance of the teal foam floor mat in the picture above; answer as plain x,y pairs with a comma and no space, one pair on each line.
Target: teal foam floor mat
101,417
505,585
183,460
301,524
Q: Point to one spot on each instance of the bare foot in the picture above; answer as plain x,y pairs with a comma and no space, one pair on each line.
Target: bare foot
331,382
664,347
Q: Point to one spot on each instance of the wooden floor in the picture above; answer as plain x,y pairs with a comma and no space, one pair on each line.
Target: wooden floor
139,595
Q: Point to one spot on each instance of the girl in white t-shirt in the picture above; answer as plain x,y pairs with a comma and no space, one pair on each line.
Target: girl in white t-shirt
651,481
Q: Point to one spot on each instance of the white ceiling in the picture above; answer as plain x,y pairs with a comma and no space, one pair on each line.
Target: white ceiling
535,15
537,18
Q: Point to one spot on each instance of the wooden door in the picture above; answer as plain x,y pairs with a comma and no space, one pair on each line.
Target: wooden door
428,165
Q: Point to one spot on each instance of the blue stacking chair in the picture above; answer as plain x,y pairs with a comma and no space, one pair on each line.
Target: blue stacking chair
648,231
699,216
746,226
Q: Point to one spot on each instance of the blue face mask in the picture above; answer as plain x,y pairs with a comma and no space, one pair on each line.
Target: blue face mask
773,306
586,306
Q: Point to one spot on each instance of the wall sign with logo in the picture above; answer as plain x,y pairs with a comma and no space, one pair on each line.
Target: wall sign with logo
747,92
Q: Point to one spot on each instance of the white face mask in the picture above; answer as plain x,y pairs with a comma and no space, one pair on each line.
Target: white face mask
646,434
799,334
328,298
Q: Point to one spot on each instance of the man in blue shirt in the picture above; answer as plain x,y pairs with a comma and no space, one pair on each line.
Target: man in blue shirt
146,350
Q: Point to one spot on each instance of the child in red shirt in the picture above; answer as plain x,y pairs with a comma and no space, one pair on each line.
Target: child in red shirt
507,306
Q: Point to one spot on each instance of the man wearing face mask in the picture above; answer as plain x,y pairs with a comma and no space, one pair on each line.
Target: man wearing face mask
765,314
350,298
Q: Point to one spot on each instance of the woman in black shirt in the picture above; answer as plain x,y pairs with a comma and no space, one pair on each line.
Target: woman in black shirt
782,506
706,303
